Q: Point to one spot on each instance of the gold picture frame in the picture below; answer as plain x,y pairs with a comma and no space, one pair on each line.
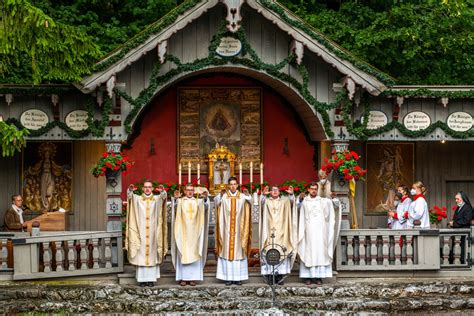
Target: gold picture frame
389,164
47,176
228,116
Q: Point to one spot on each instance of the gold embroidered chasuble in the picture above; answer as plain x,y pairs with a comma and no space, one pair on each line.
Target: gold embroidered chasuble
233,227
145,238
190,224
279,216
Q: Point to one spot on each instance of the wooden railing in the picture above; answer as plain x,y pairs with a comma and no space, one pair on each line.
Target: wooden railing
387,249
64,254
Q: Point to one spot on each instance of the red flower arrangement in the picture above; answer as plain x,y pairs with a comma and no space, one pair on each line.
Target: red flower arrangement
112,162
437,214
345,164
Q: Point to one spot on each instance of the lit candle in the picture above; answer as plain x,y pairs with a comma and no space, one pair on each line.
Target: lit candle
261,174
240,173
198,174
189,171
251,172
179,174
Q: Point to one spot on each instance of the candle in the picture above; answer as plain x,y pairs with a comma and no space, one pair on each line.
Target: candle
240,173
261,174
198,174
179,174
189,171
251,172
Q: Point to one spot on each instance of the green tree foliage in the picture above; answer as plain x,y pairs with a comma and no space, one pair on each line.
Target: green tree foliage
11,139
417,42
34,47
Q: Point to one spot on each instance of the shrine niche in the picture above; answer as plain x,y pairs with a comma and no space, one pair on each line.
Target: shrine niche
231,117
221,168
388,165
47,176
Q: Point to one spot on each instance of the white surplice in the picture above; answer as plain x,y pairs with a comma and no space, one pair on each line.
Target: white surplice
316,237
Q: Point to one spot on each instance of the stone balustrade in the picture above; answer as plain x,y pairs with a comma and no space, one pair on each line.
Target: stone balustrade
407,249
64,254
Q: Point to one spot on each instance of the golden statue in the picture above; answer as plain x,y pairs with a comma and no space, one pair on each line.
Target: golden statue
221,168
47,184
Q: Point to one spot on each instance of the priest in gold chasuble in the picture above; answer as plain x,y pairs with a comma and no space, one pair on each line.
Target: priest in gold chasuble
190,226
278,217
233,233
145,239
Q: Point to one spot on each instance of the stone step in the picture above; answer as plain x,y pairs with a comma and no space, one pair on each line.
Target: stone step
347,297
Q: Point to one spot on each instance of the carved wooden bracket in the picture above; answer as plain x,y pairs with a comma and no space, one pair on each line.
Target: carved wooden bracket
110,85
99,98
444,101
9,98
350,86
162,51
399,100
55,99
233,14
297,48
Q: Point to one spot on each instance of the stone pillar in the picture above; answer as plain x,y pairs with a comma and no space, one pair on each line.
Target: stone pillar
113,191
341,188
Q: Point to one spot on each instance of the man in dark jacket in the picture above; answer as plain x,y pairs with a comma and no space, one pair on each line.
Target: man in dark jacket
14,215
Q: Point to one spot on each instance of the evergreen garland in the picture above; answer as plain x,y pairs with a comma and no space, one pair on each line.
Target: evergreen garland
249,59
361,131
36,90
424,92
95,127
141,37
276,8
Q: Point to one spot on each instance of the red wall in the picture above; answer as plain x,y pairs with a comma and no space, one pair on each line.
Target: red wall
159,122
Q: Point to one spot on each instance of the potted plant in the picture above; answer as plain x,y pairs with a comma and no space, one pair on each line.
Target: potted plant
437,214
110,164
345,164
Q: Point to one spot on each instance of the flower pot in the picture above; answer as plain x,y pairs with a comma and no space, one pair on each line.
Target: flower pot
111,174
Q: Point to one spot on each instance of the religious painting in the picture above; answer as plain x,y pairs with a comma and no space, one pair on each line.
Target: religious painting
210,117
388,165
47,176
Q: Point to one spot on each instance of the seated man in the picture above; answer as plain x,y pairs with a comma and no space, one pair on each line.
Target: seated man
14,215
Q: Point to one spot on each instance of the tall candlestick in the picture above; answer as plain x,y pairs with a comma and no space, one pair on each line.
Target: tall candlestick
179,174
189,171
261,174
251,172
198,174
240,173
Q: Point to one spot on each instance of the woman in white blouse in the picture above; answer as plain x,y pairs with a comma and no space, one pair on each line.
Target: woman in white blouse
418,214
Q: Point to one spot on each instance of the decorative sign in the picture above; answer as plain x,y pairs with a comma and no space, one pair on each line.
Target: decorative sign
113,147
229,47
273,257
77,120
416,120
34,119
459,121
376,119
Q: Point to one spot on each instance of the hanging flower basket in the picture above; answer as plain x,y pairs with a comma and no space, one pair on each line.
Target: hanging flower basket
110,164
345,164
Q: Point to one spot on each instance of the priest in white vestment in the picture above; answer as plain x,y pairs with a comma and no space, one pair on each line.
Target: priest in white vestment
316,236
233,233
189,224
278,225
145,239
